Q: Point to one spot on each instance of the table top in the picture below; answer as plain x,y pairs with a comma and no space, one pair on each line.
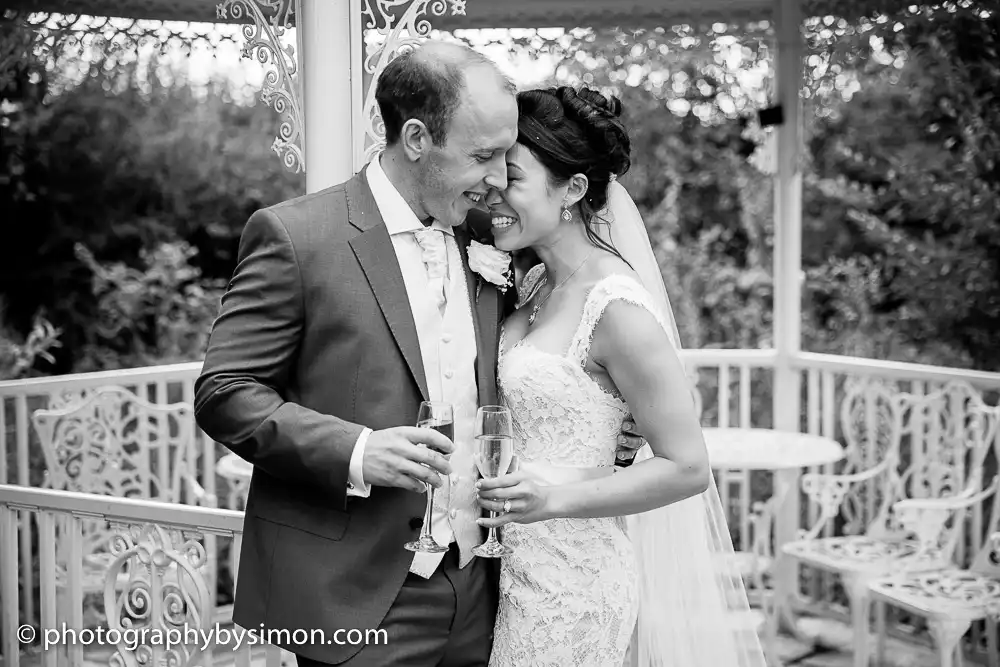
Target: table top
232,466
768,449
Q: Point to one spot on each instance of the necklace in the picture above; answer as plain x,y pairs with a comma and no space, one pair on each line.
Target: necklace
538,304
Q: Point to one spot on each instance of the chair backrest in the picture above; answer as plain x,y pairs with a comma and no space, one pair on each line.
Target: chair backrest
934,456
168,594
115,443
986,543
935,444
986,560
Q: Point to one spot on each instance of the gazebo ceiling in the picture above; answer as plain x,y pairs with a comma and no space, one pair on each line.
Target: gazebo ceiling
505,13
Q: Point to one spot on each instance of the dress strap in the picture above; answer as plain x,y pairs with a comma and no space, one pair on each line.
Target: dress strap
613,287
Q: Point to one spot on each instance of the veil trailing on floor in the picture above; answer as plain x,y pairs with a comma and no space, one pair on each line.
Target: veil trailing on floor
693,608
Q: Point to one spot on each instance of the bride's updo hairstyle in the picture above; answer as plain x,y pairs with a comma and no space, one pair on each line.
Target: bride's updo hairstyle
572,132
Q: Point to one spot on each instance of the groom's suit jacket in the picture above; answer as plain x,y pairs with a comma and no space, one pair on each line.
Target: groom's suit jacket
315,341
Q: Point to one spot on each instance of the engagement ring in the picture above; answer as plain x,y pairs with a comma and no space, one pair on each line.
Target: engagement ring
506,506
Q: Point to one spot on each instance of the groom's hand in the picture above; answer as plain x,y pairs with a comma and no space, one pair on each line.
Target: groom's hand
398,457
629,443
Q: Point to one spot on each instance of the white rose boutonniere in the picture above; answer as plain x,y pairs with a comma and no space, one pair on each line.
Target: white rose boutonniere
492,265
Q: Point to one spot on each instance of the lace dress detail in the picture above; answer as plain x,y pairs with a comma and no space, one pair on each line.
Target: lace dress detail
568,594
532,280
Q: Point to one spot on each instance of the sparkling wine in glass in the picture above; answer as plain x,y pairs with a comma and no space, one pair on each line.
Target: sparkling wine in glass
493,453
439,417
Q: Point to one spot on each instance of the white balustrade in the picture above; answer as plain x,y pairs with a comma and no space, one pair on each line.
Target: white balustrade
734,389
157,549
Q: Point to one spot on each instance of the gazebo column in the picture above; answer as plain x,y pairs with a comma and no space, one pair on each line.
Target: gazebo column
788,261
330,51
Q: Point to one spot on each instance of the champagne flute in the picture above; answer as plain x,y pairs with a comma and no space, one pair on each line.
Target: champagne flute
494,450
439,417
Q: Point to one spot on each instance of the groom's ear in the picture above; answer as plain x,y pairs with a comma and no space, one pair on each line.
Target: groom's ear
415,139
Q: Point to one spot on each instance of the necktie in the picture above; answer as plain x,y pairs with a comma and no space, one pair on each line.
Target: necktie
435,256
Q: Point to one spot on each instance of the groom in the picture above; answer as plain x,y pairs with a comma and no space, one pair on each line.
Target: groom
347,308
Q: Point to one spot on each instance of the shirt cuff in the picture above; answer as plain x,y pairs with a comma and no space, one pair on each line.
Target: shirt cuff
355,478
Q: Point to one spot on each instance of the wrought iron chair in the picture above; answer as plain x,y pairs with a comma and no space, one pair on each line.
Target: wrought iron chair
114,443
944,459
950,598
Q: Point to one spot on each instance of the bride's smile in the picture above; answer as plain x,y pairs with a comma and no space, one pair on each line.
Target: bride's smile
528,211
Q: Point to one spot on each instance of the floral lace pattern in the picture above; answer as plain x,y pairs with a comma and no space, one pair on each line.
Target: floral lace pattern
568,594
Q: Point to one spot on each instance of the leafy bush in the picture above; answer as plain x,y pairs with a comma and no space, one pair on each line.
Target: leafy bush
154,180
159,314
19,354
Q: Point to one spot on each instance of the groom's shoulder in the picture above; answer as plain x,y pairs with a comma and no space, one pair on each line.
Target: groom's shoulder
326,201
319,217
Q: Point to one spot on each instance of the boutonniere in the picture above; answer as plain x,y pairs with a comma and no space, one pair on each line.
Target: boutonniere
492,265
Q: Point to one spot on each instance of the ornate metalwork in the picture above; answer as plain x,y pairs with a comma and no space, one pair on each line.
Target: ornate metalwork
69,397
60,36
115,444
905,505
263,42
104,445
162,615
401,25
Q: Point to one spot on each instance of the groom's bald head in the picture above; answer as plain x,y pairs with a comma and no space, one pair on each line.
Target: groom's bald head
428,84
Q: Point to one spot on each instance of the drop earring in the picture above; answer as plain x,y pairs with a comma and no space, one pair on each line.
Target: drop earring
566,215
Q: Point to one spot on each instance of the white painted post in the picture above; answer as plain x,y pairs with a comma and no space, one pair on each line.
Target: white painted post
330,106
788,263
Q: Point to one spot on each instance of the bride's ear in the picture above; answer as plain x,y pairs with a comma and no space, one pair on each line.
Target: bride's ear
576,190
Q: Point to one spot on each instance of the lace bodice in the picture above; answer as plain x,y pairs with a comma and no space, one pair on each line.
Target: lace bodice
560,413
569,591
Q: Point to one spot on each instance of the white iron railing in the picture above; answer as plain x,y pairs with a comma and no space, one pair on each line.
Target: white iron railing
155,583
735,388
21,459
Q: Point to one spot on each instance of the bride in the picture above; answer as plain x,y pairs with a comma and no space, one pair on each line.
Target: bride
608,567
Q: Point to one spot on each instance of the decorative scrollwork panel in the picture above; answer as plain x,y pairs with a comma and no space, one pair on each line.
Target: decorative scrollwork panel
162,614
936,440
113,443
263,42
871,428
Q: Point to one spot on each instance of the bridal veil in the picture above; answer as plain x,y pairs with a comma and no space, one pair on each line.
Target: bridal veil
693,608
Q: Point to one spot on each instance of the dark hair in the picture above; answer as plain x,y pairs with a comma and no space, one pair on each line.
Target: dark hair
426,88
577,132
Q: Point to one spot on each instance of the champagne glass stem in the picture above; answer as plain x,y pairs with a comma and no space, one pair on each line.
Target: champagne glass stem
428,510
493,529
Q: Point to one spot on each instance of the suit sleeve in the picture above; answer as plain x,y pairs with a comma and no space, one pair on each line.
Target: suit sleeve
239,396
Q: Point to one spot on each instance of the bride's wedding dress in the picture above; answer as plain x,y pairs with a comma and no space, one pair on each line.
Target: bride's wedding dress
656,589
568,593
651,590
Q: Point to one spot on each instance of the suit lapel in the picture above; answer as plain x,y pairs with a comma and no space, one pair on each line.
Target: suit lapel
374,250
486,320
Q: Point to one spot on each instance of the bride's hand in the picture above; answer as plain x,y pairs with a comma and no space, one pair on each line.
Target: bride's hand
529,501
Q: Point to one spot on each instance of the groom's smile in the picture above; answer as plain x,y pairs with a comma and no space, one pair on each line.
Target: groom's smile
461,169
